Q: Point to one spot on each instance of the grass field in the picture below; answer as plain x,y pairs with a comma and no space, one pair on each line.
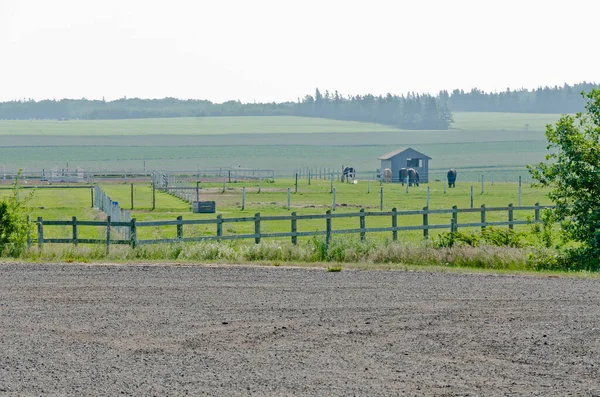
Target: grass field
493,144
62,204
470,121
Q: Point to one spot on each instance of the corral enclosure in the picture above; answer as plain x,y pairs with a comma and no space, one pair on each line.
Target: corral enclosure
247,198
480,143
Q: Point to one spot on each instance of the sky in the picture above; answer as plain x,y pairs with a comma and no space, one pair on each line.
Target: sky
279,50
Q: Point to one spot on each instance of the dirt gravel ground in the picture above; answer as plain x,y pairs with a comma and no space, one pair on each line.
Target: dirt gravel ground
234,331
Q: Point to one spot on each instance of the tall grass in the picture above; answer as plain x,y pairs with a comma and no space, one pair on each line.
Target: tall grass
339,251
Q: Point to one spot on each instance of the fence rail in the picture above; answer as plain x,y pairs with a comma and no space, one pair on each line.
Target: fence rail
128,229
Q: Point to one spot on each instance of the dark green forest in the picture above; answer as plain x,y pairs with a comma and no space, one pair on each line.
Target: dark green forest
410,111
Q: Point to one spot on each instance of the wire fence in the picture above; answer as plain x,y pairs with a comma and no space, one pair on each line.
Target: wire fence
111,208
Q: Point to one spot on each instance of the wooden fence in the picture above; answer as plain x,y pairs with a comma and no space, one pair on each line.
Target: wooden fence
328,230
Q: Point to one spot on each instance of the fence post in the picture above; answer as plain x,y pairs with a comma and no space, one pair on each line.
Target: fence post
331,188
428,195
454,218
153,194
132,196
394,224
257,227
289,199
107,234
179,228
362,224
519,203
369,187
28,231
328,229
381,198
259,182
482,185
198,191
483,221
219,225
243,198
75,230
471,196
333,206
309,177
537,212
510,216
133,234
40,224
445,187
92,192
296,184
294,237
425,223
224,185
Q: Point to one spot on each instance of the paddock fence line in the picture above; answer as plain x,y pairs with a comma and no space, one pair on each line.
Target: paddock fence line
91,176
131,226
112,210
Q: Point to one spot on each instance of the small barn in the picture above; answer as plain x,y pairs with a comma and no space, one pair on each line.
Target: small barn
406,158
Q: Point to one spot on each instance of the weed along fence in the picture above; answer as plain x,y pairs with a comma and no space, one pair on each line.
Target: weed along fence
325,225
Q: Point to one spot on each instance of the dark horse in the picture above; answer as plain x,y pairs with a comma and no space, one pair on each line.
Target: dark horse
348,174
413,177
452,178
403,175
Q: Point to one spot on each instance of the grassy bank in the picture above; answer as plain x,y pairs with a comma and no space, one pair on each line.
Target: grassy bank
340,253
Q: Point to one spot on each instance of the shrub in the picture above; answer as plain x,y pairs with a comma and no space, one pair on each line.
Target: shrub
14,223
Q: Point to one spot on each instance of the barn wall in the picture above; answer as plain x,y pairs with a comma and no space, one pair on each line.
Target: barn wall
399,161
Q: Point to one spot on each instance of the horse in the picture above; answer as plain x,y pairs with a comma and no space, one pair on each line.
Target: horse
451,178
403,174
387,175
348,174
413,177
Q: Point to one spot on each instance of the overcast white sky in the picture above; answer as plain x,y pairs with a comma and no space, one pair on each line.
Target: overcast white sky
274,50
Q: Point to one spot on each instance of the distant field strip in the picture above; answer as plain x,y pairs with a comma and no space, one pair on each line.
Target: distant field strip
187,126
472,121
484,121
282,158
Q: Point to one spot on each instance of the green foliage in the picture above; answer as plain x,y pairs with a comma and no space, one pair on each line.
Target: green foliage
573,173
13,221
489,236
542,230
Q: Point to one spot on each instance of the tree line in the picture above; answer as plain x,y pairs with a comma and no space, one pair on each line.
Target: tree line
557,99
410,111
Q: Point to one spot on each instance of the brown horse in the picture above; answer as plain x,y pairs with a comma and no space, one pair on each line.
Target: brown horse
403,175
413,177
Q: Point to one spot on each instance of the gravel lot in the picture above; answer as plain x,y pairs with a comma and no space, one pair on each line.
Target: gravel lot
223,331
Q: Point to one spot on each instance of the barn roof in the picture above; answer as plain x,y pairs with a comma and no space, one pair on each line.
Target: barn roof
398,151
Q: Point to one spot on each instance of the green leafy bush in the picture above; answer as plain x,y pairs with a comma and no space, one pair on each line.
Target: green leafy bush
14,225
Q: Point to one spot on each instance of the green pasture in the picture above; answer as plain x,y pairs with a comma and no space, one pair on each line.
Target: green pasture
479,142
187,126
473,121
503,160
63,204
498,121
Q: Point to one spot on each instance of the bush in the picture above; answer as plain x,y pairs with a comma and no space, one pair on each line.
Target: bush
13,222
